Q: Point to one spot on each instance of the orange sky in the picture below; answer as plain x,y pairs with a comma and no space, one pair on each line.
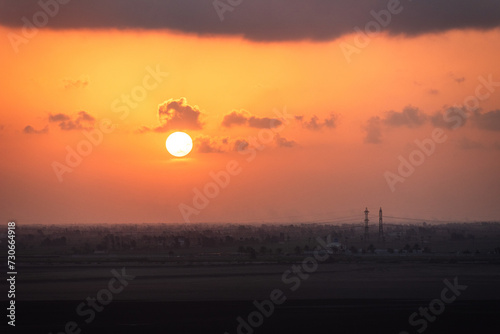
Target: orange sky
317,173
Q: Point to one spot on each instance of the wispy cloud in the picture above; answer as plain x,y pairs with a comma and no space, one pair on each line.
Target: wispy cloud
81,121
488,121
315,124
76,83
206,144
283,142
243,118
410,117
32,131
467,144
235,118
445,118
373,131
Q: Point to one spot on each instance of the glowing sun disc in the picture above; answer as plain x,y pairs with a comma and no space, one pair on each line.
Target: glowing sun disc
179,144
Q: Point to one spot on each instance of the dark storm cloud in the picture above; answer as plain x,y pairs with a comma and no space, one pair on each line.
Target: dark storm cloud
260,20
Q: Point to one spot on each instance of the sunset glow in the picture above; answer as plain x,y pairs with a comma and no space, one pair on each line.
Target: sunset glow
318,132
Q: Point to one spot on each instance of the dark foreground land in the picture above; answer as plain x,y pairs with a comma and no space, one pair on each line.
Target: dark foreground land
340,297
297,316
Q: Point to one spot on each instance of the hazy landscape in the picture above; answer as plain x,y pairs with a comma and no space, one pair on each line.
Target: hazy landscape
193,278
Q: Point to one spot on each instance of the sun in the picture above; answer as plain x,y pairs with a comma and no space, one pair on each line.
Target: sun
179,144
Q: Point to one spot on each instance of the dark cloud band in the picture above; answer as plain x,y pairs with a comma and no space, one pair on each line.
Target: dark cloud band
258,20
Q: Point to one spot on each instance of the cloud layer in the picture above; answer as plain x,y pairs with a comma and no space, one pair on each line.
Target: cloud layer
176,115
488,121
449,118
29,130
261,20
315,124
214,144
373,131
81,121
243,118
410,117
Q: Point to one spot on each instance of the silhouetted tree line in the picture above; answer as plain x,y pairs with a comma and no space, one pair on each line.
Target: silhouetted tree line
57,242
